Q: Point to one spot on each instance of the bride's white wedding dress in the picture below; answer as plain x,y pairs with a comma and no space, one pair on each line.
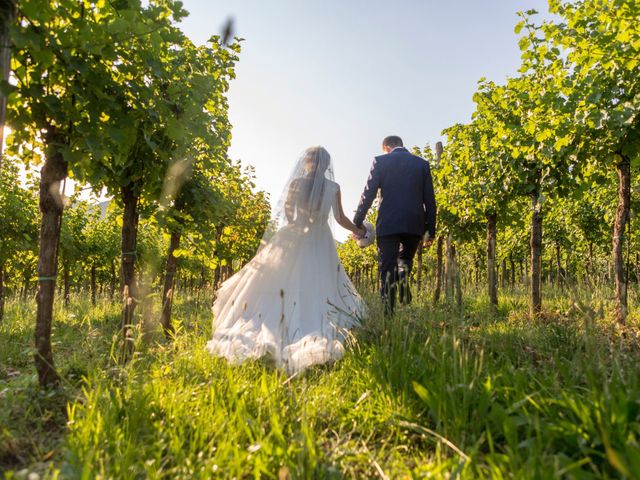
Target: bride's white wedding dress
293,302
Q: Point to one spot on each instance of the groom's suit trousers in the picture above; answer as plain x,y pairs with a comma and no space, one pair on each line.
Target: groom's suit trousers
395,259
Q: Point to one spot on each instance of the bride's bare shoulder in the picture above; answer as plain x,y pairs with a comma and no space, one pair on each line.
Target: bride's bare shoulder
333,185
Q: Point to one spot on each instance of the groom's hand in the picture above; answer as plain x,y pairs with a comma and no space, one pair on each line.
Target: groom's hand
427,240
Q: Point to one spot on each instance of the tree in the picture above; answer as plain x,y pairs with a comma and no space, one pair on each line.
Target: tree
242,227
483,176
195,210
524,115
96,94
601,41
18,229
179,116
7,18
101,234
73,242
63,54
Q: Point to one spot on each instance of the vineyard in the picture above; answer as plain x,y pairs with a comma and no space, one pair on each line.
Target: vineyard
121,212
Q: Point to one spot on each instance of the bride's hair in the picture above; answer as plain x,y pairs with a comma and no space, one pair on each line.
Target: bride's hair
307,190
316,160
304,192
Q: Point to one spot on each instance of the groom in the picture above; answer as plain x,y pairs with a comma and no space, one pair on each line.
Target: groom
407,210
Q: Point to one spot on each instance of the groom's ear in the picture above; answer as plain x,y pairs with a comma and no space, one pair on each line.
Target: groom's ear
387,148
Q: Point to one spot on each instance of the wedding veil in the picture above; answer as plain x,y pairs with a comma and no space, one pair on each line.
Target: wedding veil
302,197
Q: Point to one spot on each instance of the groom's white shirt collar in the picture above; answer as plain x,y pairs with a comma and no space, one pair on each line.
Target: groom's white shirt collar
396,148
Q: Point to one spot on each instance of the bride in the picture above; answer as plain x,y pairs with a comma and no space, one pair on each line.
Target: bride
293,302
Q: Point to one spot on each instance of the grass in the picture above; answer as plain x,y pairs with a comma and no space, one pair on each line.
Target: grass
436,392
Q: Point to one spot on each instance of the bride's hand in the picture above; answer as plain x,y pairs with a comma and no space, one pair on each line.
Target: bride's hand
359,234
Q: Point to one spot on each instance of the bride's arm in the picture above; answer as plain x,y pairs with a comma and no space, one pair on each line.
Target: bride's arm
342,219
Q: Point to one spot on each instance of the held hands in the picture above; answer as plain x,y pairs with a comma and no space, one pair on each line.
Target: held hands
360,233
364,235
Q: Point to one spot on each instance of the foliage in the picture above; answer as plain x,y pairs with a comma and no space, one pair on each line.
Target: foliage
18,214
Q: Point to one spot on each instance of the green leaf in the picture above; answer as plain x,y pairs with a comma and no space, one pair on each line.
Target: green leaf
421,391
6,88
518,28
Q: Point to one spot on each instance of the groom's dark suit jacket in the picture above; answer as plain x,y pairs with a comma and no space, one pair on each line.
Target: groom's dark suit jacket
407,201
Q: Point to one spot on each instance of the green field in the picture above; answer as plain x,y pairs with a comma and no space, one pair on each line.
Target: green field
434,392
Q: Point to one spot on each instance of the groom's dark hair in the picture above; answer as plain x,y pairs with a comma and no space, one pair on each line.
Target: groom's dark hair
392,141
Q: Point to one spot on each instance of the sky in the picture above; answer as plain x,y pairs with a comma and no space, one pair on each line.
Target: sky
346,73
